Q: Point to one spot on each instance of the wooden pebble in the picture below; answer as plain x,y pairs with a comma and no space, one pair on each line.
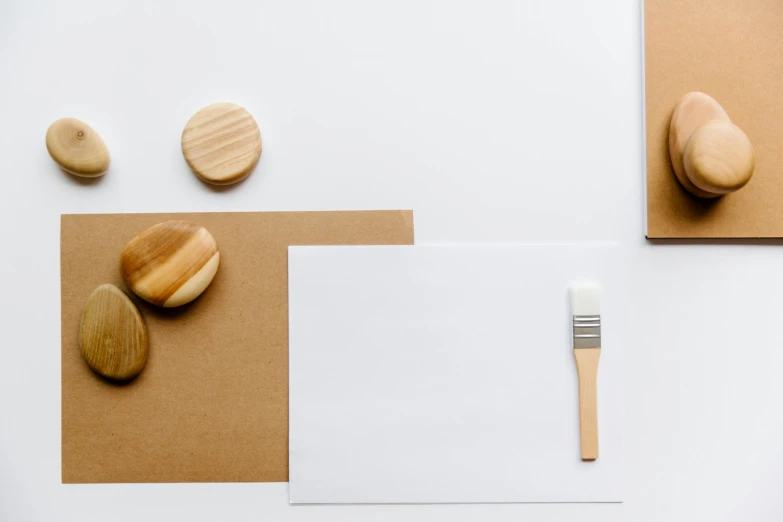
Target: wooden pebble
222,143
719,158
729,161
77,148
112,334
171,263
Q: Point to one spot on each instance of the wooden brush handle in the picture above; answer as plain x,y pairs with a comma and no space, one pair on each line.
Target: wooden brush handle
587,369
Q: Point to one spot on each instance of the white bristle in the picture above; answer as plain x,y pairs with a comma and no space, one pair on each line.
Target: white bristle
585,299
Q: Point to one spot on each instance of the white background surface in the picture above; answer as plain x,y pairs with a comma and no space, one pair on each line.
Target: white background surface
446,374
509,120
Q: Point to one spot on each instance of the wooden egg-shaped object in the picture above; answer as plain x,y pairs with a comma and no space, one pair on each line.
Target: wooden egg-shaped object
719,158
77,148
694,110
710,155
112,334
171,263
222,143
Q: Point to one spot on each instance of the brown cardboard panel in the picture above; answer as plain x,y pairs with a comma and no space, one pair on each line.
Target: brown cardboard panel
730,49
212,403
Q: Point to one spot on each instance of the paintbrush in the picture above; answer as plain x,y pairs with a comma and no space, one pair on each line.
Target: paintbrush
586,316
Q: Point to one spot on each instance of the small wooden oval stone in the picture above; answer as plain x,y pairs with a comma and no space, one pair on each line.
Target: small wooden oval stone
222,143
77,148
695,109
112,334
719,158
171,263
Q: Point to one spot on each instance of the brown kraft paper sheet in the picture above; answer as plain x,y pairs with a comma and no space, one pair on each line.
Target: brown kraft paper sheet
730,49
212,402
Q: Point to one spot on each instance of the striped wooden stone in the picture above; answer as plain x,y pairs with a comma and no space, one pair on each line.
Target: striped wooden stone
171,263
112,334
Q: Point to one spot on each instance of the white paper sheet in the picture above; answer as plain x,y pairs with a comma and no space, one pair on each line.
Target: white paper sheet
436,374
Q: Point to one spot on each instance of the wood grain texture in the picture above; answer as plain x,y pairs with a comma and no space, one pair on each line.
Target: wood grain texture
171,263
77,148
587,369
730,49
222,143
719,158
112,334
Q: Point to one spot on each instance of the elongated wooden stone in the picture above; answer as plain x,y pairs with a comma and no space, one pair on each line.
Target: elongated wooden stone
694,110
171,263
112,334
77,148
222,143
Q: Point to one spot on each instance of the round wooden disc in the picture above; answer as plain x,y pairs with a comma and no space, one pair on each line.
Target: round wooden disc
222,143
171,263
112,334
719,158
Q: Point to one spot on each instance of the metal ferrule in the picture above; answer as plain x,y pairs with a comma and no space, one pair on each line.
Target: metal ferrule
587,331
